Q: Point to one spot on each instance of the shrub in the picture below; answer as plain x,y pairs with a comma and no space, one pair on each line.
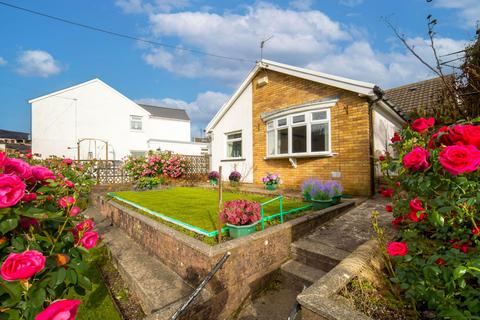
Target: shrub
44,238
240,212
235,176
435,205
213,175
271,179
148,183
155,165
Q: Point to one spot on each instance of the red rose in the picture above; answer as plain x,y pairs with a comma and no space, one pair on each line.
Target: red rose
18,167
459,159
397,221
396,138
67,161
29,156
12,190
442,132
476,230
416,205
465,134
83,226
440,261
25,223
41,173
381,158
69,184
21,266
416,216
389,208
397,248
28,197
386,193
60,309
421,125
417,159
398,184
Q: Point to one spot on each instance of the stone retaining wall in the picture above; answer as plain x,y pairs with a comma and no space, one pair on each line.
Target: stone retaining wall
252,257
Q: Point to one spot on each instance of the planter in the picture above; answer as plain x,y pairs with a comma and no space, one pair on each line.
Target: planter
271,186
337,199
241,231
213,182
322,204
307,197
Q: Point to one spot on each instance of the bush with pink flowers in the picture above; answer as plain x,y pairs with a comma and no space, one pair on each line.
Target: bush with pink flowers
44,238
240,212
436,210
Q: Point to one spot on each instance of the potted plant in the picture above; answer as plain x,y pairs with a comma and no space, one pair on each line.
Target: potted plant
234,178
337,191
306,188
271,181
213,177
321,194
241,217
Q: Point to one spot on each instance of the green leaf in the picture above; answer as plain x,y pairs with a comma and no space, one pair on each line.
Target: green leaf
60,276
84,282
459,272
4,211
71,276
8,225
437,218
38,297
13,289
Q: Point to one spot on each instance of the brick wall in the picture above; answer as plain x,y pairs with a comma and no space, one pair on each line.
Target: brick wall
349,130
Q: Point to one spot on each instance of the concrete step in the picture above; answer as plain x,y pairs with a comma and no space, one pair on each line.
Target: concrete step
316,254
300,274
160,290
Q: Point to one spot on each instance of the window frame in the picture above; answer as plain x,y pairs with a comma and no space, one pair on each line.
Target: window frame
227,140
139,119
308,122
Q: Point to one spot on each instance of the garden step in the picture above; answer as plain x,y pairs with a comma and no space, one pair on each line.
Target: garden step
157,287
300,274
316,254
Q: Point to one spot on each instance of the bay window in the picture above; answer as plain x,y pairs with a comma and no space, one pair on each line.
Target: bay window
299,134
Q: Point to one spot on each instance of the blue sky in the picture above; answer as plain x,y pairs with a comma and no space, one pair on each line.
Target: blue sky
344,37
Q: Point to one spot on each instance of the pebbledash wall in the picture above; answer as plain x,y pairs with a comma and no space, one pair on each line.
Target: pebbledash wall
350,133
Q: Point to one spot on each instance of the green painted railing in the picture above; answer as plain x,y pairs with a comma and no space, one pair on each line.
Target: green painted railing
187,226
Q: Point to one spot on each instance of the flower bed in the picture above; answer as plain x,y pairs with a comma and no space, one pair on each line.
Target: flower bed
434,262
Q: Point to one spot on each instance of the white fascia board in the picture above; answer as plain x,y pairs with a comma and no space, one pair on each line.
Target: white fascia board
384,109
360,87
308,107
63,90
224,109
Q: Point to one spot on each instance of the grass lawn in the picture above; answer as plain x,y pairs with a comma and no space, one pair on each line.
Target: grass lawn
198,206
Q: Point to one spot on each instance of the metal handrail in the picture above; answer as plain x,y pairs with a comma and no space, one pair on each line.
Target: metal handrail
262,212
197,291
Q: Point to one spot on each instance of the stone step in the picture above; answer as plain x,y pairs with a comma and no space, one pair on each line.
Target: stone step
316,254
159,290
300,274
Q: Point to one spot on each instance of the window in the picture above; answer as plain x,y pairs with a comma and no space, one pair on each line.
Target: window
234,145
136,123
298,134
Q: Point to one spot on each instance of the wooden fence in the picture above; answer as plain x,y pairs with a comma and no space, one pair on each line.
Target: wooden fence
111,172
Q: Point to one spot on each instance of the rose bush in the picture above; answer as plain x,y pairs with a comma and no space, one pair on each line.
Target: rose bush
44,237
436,210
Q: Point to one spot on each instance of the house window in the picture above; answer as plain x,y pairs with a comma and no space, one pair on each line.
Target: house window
299,134
234,145
136,123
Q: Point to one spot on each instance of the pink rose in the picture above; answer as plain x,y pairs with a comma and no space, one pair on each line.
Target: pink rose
74,211
421,125
67,161
417,159
416,216
18,167
83,226
459,159
89,239
396,137
69,184
3,159
60,310
397,248
25,223
29,197
41,173
64,202
21,266
12,190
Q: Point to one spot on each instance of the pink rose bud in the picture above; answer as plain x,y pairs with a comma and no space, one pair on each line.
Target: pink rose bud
67,161
74,211
69,184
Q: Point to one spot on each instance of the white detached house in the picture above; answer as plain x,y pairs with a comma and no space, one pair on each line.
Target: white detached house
93,113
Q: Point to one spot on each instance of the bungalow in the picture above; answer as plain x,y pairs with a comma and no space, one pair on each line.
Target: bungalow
92,120
302,123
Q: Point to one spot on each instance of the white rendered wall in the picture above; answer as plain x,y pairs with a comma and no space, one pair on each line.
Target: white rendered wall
94,110
238,117
186,148
167,129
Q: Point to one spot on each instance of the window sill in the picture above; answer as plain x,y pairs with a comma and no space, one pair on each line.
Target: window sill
302,155
233,159
133,130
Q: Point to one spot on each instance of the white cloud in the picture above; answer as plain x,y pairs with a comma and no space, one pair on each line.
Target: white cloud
351,3
142,6
301,4
2,61
37,63
468,10
201,110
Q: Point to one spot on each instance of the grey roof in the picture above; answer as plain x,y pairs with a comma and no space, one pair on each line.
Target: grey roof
162,112
7,134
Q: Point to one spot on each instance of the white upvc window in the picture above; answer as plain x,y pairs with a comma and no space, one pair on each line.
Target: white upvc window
299,134
136,123
234,145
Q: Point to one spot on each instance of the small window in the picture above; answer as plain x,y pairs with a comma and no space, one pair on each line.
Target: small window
282,140
282,122
320,115
234,145
298,119
136,123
